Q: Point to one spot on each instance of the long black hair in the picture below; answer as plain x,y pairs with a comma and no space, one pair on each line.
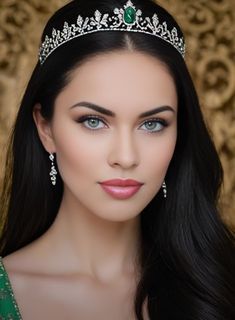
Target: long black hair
187,253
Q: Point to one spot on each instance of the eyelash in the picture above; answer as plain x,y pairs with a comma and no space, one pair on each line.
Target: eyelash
84,118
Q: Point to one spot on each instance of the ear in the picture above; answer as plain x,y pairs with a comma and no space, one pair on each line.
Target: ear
44,129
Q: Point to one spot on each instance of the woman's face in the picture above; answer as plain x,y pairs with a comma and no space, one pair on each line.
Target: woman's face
116,140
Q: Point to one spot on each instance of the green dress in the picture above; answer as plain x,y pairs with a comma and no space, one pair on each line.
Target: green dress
9,309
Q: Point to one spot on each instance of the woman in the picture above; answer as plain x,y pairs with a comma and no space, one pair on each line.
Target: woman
109,207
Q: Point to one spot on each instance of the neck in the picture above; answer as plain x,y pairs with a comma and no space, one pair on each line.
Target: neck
93,246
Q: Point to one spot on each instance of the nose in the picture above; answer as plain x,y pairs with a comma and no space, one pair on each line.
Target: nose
123,151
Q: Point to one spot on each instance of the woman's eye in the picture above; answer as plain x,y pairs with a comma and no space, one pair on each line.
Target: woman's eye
154,125
95,123
92,122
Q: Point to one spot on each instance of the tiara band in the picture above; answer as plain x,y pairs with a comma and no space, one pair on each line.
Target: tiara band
124,19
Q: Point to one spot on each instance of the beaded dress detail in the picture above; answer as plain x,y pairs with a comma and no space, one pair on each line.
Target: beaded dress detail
9,309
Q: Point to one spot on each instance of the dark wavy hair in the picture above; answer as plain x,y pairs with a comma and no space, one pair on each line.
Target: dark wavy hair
187,253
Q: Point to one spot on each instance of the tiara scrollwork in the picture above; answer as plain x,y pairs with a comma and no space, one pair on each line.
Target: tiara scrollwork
127,18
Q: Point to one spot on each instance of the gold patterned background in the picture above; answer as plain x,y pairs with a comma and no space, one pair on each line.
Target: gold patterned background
209,26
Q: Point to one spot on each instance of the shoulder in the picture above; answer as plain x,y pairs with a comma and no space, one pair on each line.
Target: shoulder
20,268
13,267
17,281
14,262
24,260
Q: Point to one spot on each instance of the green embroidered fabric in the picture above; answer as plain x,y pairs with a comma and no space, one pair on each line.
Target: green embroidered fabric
9,309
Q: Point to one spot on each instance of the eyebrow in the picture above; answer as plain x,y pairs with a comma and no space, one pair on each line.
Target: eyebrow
110,113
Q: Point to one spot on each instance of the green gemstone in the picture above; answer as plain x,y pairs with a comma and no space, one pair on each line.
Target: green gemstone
129,15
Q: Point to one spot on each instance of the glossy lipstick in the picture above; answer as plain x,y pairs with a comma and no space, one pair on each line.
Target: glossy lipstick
121,188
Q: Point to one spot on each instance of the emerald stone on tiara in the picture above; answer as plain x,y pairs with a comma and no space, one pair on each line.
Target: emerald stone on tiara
129,14
127,18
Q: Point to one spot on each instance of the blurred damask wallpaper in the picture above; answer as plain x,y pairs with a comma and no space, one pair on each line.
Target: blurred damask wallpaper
209,27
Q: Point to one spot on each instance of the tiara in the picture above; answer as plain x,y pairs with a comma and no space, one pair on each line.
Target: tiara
127,18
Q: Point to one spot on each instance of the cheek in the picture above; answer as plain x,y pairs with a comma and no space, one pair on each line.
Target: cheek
74,154
159,155
166,153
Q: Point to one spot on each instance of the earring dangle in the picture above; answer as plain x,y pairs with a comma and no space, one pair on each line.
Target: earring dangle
164,189
53,171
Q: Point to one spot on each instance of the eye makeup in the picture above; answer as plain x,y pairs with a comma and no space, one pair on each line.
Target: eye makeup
159,124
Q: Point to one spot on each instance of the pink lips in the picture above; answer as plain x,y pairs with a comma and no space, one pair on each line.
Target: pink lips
120,188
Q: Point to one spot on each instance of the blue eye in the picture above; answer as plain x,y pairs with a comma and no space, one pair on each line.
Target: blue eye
154,125
91,122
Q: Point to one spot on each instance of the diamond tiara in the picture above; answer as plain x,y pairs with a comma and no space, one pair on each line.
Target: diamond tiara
124,19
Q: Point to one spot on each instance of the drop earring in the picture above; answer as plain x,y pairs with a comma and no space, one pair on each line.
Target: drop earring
164,189
53,171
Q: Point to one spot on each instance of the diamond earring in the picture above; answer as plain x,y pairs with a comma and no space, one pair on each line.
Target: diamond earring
164,189
53,171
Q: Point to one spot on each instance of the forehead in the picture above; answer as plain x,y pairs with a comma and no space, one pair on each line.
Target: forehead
121,78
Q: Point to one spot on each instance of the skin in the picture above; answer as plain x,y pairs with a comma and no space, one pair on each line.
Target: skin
85,266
